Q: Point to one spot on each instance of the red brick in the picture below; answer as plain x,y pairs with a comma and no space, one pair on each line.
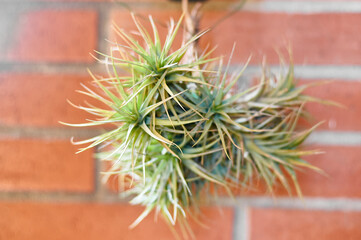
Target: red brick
124,21
267,224
343,168
126,1
53,36
44,165
342,92
310,0
260,1
340,164
325,38
98,221
72,0
40,100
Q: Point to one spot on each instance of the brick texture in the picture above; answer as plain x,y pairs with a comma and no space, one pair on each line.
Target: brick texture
60,34
339,179
282,224
336,181
155,1
343,92
53,36
40,99
66,1
123,20
261,34
310,0
44,165
98,221
342,167
326,38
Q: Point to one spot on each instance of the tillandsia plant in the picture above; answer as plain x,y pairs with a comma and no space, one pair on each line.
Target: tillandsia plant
180,125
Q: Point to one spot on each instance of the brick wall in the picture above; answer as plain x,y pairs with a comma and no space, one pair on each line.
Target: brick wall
48,192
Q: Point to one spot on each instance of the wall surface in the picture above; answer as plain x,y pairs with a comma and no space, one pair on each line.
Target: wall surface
48,192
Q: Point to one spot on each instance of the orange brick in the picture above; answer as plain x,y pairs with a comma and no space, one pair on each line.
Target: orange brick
343,168
123,20
44,165
98,221
340,179
325,38
343,92
78,0
267,224
340,164
309,0
40,100
74,0
53,36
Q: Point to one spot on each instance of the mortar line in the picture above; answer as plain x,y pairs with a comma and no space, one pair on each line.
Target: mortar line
38,5
47,132
340,138
303,7
246,224
48,68
236,224
337,72
335,138
96,178
344,73
103,29
241,224
307,203
59,196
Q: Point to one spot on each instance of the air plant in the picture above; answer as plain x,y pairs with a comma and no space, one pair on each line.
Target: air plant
180,124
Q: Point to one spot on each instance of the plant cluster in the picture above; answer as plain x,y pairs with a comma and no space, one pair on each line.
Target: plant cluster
181,126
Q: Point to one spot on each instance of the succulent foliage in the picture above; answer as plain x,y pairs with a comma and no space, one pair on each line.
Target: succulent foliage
180,125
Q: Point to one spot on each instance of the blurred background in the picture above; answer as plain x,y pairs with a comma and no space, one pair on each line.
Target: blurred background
48,192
